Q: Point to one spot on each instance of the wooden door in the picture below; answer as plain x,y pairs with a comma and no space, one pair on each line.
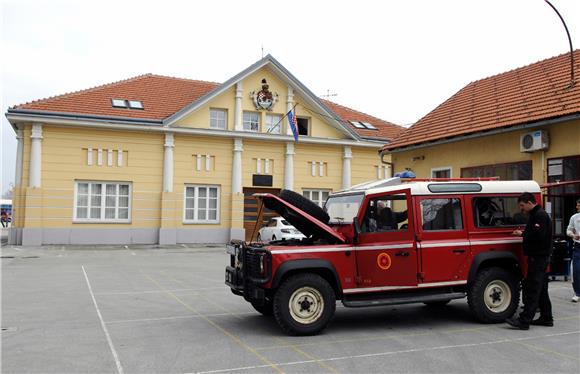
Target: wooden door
252,208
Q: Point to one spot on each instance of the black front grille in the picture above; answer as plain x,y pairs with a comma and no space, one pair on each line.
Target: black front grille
252,258
252,263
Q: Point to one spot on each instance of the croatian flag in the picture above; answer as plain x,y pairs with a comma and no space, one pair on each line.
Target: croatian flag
293,124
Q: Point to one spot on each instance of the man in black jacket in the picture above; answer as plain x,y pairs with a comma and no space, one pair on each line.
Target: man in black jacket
537,242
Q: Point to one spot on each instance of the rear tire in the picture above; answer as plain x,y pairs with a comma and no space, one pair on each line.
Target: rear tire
494,295
304,304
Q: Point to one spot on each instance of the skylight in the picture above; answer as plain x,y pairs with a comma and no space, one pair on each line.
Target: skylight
357,124
369,126
131,104
118,103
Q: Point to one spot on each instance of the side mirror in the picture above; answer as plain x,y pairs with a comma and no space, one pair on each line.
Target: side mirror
357,230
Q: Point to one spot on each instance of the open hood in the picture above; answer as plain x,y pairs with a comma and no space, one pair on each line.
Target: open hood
305,223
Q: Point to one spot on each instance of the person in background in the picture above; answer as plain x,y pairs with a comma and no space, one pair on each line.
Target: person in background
4,218
573,231
537,243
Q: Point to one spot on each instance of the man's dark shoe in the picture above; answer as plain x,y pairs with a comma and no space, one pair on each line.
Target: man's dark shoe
543,322
516,323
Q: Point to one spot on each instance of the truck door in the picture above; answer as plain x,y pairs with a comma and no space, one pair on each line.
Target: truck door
386,254
444,247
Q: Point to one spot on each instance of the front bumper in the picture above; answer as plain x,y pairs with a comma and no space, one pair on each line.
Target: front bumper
249,269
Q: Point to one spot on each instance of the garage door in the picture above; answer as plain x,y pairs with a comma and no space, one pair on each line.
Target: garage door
251,208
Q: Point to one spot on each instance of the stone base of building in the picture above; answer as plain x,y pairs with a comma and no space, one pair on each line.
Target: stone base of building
88,236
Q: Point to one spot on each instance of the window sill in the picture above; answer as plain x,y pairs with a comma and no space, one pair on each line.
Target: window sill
200,222
101,222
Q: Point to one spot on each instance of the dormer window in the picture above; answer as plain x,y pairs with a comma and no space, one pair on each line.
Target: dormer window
131,104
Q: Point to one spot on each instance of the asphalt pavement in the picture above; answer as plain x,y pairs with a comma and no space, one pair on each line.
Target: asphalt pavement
151,309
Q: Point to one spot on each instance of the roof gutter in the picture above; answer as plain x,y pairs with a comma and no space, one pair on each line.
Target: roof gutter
14,118
547,122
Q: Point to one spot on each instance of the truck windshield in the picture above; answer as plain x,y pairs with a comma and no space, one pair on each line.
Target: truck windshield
342,209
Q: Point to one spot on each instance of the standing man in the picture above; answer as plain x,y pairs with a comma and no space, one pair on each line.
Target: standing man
537,242
573,231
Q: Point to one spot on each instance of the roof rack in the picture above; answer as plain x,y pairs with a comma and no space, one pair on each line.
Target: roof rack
449,179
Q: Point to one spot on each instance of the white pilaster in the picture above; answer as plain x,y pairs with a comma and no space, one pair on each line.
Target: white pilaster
237,166
289,167
168,163
19,154
238,124
346,171
289,105
34,175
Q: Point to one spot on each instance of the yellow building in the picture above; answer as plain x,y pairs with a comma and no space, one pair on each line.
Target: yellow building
155,159
522,124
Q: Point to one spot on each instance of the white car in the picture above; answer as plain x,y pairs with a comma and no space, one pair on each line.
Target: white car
278,228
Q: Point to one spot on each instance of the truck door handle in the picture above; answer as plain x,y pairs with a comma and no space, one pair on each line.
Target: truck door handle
402,254
459,251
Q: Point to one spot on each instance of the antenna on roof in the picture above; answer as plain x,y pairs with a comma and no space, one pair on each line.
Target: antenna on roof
262,50
328,94
572,81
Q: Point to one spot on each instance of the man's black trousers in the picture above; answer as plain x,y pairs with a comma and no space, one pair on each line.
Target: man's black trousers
535,292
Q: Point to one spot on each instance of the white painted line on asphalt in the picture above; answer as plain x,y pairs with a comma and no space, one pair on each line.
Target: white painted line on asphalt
388,353
113,351
177,317
159,291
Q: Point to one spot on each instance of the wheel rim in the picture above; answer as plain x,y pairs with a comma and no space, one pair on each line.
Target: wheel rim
497,296
306,305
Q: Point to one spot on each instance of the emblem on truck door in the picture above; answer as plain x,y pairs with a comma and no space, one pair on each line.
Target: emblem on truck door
384,261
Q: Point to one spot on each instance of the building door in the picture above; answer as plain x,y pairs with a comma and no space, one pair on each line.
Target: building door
252,208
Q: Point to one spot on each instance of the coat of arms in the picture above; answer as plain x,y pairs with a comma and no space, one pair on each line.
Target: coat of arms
264,99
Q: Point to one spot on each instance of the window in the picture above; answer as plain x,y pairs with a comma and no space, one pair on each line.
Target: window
118,103
202,204
491,211
317,196
441,172
561,170
386,213
102,202
218,119
273,123
302,126
251,121
441,214
343,208
511,171
134,104
357,124
369,126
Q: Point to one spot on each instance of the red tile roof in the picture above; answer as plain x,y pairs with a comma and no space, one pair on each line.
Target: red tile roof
524,95
385,129
163,96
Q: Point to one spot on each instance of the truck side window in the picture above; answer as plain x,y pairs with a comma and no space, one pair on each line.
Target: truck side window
441,214
387,213
490,211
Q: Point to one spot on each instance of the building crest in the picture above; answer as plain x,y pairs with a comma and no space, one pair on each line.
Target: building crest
264,99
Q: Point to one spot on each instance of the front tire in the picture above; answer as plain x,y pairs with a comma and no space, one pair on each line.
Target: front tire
266,308
304,304
494,295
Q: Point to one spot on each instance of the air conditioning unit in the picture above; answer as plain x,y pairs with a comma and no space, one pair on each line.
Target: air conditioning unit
534,141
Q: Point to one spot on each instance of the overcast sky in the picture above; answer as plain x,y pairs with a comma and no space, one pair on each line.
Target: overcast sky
396,60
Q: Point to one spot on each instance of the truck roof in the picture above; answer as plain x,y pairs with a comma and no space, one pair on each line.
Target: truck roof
439,187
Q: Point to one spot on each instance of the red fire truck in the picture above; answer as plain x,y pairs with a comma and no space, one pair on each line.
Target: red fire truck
385,243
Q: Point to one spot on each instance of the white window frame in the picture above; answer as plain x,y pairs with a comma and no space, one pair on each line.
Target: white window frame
309,191
211,117
249,123
195,219
102,219
271,121
445,168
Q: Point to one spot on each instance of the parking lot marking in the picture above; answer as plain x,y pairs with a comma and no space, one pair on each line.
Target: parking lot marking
113,351
308,356
158,291
388,353
175,317
222,329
